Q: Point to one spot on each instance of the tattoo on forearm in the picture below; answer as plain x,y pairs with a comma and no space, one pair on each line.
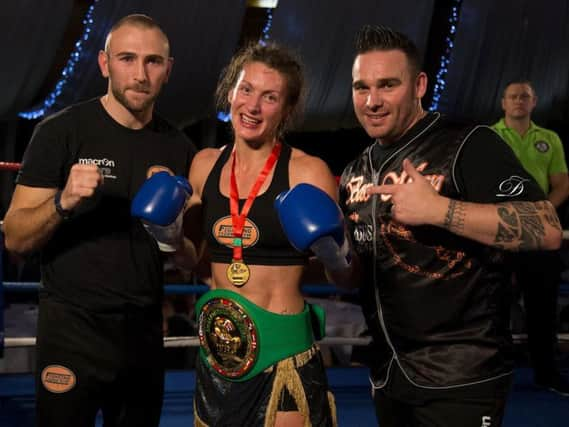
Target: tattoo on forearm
504,234
454,218
510,219
521,225
550,214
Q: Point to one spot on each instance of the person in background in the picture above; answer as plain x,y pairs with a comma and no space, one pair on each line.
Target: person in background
430,231
537,273
99,335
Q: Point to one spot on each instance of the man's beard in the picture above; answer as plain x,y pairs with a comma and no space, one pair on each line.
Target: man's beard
133,108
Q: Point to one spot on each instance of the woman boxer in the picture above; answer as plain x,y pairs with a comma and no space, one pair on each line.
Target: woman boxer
258,364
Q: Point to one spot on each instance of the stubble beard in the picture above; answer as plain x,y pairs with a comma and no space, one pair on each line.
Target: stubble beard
130,106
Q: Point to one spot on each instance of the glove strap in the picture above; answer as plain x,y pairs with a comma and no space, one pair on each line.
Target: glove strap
333,256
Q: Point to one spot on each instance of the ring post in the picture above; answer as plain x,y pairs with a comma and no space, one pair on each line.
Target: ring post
1,294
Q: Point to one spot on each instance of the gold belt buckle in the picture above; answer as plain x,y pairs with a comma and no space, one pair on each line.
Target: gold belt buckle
228,337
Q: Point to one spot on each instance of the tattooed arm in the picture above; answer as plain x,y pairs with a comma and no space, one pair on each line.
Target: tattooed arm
514,226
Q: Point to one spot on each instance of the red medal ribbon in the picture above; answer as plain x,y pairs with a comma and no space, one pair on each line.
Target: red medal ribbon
238,219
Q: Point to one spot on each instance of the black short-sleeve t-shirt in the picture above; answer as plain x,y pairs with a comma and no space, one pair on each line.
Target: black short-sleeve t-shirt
102,258
486,170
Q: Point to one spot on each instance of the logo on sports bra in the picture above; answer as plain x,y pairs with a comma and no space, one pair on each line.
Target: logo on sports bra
222,231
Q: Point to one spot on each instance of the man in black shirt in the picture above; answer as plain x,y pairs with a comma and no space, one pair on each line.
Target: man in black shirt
430,207
99,344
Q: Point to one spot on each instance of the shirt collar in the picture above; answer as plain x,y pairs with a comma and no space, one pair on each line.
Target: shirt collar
502,125
416,129
380,151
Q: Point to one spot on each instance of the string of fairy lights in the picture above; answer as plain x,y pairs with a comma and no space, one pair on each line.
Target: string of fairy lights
68,70
440,77
265,36
88,23
266,33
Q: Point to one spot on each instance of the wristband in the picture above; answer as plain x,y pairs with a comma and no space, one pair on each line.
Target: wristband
63,213
332,256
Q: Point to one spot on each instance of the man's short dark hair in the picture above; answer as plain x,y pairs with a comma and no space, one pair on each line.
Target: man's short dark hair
518,81
137,20
379,37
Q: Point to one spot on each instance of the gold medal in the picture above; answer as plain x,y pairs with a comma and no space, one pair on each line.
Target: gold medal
238,273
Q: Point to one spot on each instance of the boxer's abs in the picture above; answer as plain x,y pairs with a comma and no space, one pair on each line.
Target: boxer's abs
274,288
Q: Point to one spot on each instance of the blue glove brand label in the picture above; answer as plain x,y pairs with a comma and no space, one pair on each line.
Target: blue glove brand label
58,379
222,231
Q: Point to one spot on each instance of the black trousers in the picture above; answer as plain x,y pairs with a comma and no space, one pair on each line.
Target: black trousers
537,276
400,404
88,362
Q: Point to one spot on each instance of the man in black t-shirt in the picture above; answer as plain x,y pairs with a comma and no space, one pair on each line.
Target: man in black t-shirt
431,207
99,337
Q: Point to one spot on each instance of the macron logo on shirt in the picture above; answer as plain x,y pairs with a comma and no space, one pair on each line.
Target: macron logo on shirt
105,166
511,187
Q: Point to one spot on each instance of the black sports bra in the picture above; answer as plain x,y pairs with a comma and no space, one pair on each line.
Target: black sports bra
264,242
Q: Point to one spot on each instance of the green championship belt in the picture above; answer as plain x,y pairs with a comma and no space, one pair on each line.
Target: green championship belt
239,339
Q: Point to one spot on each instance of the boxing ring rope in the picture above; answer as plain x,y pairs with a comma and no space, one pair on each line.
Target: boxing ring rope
181,289
185,289
193,341
10,166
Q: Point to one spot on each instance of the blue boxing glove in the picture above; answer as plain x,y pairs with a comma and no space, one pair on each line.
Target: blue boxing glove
311,219
160,203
